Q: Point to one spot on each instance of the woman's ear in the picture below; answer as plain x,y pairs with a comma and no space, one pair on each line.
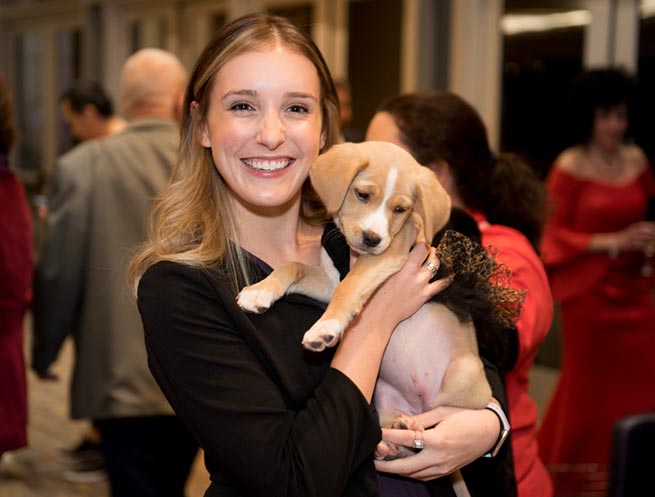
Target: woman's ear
444,174
89,111
203,133
441,169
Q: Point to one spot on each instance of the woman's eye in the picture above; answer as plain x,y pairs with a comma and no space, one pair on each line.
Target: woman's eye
363,196
241,106
301,109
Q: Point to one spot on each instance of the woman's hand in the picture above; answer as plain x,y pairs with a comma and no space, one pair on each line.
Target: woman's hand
456,438
635,237
406,291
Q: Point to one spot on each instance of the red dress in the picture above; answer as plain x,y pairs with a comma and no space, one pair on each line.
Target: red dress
515,251
608,328
15,295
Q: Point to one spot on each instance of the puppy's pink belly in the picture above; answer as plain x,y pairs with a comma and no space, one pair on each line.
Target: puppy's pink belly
414,363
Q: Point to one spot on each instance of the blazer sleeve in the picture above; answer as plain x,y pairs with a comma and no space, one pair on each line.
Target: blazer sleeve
201,353
59,276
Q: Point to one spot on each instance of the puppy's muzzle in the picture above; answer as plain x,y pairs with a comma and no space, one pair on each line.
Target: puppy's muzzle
370,239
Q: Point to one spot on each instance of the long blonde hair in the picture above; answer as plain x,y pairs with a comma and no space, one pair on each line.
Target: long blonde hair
192,222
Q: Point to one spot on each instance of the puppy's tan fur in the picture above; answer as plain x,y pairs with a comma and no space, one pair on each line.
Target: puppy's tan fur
376,193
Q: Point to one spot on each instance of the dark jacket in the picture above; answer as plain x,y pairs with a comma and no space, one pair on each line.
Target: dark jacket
99,204
273,418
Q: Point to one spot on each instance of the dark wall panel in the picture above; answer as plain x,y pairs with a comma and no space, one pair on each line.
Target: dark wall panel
374,57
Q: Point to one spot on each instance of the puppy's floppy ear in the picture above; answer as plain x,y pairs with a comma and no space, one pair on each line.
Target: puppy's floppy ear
434,201
333,171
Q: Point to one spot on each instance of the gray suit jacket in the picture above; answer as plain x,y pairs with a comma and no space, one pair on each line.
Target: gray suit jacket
99,205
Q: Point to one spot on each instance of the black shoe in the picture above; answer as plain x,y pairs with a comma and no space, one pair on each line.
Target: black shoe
88,468
84,448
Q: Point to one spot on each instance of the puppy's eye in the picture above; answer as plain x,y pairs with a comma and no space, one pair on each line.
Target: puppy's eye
363,196
399,209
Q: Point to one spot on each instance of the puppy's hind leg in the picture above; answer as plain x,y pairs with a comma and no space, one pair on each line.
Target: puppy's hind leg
464,384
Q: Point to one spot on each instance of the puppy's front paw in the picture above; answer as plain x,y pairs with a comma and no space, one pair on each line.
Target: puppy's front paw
395,451
389,451
324,333
404,422
259,297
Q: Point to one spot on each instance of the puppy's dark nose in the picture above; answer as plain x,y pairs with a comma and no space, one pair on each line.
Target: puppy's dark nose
370,239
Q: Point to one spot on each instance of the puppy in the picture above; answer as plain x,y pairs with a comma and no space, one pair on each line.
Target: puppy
370,189
374,192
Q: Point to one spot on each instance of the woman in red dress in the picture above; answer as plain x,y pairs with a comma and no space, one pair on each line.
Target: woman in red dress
15,289
595,249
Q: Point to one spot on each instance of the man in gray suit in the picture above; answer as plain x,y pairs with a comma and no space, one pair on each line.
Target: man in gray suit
99,204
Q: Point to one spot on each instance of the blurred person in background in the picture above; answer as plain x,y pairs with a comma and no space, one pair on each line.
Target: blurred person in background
88,111
596,250
443,132
99,203
15,287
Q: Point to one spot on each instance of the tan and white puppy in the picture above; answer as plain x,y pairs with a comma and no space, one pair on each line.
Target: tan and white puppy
374,191
371,190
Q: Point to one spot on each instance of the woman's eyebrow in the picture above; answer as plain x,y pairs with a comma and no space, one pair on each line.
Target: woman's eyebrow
253,93
299,94
245,93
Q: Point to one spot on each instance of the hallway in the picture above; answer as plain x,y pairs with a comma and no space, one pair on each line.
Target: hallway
36,471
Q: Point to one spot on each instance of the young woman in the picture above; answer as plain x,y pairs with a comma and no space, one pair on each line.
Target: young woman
595,250
273,419
446,134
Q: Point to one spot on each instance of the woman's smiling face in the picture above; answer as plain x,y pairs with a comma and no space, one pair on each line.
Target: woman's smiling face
264,125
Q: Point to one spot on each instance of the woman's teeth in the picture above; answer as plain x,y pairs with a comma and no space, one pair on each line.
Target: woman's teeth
267,165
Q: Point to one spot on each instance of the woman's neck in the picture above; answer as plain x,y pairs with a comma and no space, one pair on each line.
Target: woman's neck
608,163
278,237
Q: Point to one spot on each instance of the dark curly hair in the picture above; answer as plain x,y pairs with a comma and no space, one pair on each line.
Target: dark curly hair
7,129
598,89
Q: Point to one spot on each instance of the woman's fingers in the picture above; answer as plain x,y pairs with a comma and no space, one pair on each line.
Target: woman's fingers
401,437
432,417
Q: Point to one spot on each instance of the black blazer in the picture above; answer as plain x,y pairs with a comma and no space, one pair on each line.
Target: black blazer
273,418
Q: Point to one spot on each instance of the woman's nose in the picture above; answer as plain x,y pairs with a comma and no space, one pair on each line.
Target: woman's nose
271,131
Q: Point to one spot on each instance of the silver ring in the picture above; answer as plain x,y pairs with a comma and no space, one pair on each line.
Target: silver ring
433,269
419,443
